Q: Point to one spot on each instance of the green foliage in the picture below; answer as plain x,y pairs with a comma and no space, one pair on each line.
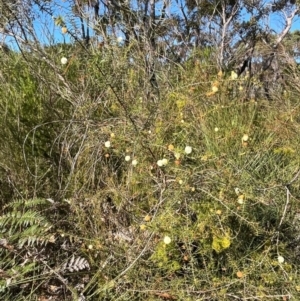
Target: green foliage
220,244
30,250
192,192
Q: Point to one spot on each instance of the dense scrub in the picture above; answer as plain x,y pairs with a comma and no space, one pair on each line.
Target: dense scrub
112,189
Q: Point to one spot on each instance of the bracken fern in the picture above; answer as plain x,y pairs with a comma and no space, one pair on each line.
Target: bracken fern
32,249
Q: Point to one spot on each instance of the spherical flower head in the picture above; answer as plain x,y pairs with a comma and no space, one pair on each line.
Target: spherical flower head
245,138
167,240
134,162
233,75
119,39
159,163
162,162
127,158
177,156
280,259
64,60
241,199
147,218
215,89
107,144
188,150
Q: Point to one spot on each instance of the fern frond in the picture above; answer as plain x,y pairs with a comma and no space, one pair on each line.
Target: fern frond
17,219
31,203
76,264
24,224
33,235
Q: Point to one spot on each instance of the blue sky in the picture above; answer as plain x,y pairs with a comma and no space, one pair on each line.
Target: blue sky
48,33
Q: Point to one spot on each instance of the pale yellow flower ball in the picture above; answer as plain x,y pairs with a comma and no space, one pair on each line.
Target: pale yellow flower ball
64,60
188,150
245,137
167,240
107,144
